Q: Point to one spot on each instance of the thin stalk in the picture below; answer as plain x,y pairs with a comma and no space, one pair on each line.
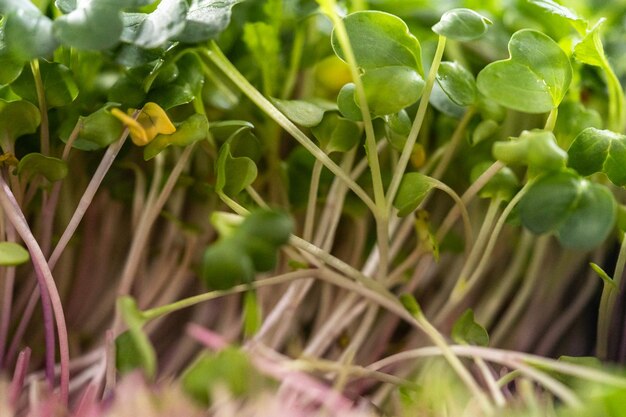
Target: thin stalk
294,62
161,311
7,301
467,224
551,121
44,132
507,358
145,224
88,195
329,7
216,56
521,298
453,144
607,303
44,278
390,303
312,203
417,124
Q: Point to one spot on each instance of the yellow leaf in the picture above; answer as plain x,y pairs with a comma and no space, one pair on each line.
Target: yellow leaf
151,121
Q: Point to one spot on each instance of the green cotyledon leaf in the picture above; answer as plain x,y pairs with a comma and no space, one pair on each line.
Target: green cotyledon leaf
579,212
595,150
462,25
380,39
533,80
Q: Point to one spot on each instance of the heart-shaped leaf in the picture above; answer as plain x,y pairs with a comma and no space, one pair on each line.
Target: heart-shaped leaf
233,174
52,169
153,30
184,88
380,39
18,118
462,25
206,19
581,213
533,80
58,83
13,254
230,368
467,331
97,130
226,264
336,134
590,50
193,129
391,89
93,24
414,187
273,227
596,150
136,342
10,66
457,82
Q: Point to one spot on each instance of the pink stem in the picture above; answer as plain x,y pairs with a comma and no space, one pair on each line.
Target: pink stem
17,384
44,278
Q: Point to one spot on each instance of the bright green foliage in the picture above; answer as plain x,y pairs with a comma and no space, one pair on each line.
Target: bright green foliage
411,305
563,12
503,185
133,348
397,129
390,59
457,82
537,149
462,25
18,118
596,150
246,249
467,331
13,254
192,130
580,213
336,134
303,113
97,130
229,368
414,187
390,89
225,265
234,174
58,83
378,40
533,80
52,169
590,50
347,104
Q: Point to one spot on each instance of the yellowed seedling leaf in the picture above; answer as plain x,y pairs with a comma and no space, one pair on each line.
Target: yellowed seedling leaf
151,121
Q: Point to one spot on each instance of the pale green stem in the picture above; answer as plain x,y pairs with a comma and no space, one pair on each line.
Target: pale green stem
455,140
467,224
44,131
381,214
294,62
607,303
161,311
312,203
217,57
508,358
551,121
417,124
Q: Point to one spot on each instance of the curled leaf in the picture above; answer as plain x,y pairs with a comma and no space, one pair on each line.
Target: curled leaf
151,121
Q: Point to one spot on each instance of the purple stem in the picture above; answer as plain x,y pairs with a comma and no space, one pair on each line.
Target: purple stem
17,384
21,328
44,280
